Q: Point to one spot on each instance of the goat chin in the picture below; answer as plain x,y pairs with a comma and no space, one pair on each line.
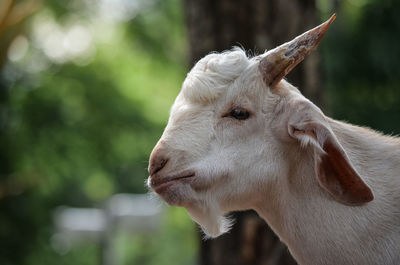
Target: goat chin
211,221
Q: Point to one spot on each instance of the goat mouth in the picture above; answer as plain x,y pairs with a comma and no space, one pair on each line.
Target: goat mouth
159,185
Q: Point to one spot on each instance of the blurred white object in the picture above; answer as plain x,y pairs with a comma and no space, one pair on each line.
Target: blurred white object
80,223
133,213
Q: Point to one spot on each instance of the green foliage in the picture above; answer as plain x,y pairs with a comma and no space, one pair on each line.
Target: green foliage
361,64
76,133
175,244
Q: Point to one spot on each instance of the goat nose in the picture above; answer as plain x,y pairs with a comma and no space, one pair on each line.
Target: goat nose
158,159
157,164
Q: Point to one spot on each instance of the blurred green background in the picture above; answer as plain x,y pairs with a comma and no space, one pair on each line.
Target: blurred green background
85,89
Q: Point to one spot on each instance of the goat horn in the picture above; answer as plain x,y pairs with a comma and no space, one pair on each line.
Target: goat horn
277,63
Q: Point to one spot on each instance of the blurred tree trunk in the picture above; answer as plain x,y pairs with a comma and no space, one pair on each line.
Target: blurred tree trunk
217,25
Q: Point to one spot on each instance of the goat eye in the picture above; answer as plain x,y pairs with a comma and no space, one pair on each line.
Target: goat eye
240,114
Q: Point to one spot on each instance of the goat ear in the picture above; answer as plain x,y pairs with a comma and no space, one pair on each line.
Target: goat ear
333,168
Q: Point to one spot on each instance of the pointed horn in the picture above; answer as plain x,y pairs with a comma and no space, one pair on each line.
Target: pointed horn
277,63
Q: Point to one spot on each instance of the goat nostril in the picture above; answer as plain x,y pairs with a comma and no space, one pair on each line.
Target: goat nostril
156,165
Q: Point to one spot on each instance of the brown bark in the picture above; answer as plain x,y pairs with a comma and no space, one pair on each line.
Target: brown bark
250,242
217,25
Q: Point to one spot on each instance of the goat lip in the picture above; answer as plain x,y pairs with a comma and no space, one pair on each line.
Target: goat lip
159,185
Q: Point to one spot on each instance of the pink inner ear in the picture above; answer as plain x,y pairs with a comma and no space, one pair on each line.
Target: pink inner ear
309,133
339,178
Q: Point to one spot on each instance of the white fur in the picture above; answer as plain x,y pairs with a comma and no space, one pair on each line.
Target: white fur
256,164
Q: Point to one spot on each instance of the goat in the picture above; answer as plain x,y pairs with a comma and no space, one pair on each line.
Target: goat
241,137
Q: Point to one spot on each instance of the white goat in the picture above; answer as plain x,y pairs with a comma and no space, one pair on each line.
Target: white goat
240,137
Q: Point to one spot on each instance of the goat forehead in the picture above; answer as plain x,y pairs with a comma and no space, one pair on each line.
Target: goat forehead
186,114
213,74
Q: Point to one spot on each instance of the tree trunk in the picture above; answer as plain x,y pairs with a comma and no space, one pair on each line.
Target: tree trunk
217,25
